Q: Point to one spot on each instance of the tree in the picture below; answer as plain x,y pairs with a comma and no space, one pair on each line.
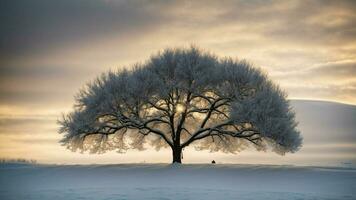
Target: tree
182,97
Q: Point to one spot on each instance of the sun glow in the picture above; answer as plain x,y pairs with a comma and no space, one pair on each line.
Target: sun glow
180,108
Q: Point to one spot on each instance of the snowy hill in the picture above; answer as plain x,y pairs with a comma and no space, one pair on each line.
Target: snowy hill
325,122
329,132
163,181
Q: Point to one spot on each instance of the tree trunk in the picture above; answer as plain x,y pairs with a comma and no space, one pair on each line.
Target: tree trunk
177,153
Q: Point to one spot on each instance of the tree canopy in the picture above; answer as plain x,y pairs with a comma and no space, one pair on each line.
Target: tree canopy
182,97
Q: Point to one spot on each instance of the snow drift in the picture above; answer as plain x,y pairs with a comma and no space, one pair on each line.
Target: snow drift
162,181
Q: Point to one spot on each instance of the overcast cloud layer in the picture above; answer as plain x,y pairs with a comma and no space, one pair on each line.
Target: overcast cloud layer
49,49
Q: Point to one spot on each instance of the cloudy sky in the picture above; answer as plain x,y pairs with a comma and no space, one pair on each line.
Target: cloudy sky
49,49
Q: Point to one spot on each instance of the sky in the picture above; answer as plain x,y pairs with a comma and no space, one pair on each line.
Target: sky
50,49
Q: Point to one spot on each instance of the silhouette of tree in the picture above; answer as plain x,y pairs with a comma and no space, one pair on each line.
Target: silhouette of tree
182,97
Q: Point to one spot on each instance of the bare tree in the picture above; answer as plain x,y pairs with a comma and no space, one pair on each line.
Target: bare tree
182,97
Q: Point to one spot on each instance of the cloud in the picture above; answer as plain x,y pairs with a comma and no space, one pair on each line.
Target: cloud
338,93
340,69
343,71
30,125
31,26
48,50
34,141
321,23
35,25
38,84
334,80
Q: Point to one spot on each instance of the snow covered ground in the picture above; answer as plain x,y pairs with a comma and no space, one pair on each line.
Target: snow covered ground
164,181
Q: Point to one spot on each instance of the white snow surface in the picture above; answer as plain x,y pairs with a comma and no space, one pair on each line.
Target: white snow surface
165,181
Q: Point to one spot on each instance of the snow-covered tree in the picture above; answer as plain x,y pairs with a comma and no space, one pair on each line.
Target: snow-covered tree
182,97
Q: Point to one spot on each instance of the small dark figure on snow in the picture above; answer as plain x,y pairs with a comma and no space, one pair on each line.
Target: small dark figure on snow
213,162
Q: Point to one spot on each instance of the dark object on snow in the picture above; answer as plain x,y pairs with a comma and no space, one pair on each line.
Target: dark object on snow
213,162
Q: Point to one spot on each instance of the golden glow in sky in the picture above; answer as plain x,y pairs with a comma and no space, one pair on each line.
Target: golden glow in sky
49,50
